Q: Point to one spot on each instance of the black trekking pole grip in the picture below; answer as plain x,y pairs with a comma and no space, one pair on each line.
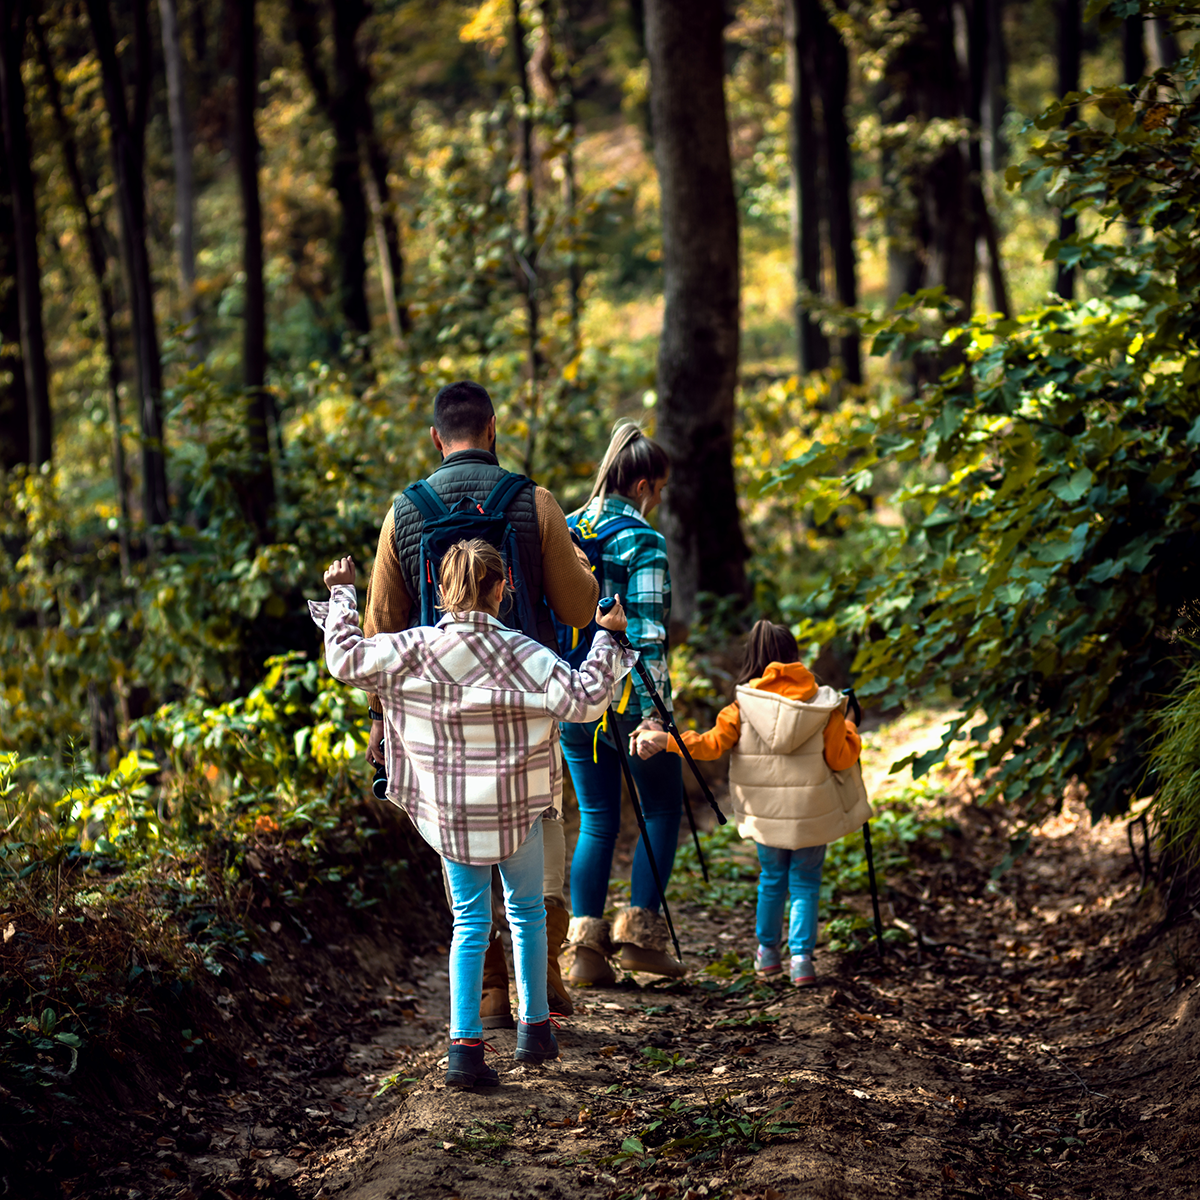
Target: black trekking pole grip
665,716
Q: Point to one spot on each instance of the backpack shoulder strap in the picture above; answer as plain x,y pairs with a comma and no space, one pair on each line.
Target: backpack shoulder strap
425,500
503,494
615,526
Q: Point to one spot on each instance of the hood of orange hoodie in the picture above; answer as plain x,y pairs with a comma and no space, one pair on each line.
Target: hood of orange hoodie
785,706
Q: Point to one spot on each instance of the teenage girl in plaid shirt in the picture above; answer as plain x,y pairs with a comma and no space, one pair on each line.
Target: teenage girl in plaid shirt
469,708
629,484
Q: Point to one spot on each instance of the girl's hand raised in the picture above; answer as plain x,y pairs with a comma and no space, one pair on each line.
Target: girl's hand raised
613,620
341,571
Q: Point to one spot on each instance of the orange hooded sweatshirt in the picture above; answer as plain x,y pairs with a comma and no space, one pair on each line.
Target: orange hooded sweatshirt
795,681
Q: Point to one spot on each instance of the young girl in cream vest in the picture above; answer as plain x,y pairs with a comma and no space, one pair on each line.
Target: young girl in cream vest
795,784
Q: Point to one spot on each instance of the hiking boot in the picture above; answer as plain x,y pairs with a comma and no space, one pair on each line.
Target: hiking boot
588,937
802,971
536,1043
641,940
557,922
466,1067
767,961
494,1010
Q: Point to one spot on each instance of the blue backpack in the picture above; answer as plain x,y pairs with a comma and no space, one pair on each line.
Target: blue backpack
574,644
470,519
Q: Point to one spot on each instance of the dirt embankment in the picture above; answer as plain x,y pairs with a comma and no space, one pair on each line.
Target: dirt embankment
1033,1044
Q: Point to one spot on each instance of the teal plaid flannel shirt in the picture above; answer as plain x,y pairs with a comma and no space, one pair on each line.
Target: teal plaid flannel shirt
634,567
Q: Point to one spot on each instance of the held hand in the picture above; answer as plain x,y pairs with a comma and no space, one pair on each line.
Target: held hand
614,619
341,571
375,745
646,743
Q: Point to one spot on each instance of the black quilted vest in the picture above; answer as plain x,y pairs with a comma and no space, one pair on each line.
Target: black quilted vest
473,473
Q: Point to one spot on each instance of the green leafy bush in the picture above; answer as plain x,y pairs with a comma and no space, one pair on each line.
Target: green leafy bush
1050,478
1175,769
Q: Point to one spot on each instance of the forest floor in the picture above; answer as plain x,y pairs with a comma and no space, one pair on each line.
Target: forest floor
1038,1038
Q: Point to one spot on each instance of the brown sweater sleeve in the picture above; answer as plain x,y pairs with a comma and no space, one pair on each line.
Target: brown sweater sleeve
570,587
388,602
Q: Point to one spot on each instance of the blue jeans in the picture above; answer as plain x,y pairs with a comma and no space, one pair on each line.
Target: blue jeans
471,892
597,783
780,872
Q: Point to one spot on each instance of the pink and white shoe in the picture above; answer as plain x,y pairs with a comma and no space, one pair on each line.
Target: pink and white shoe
802,971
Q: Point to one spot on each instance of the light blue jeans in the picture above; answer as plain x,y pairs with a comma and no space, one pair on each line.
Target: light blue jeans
781,872
471,903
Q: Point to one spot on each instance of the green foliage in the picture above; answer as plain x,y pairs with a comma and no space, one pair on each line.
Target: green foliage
1052,520
1175,768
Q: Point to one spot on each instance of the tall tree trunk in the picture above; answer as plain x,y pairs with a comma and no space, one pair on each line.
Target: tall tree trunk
1070,36
1164,49
348,16
13,21
98,260
527,250
257,487
803,18
995,88
181,150
339,101
834,79
383,212
14,409
975,20
1133,46
698,352
127,157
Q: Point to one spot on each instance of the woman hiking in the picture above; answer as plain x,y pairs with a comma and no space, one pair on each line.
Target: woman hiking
633,564
469,708
792,785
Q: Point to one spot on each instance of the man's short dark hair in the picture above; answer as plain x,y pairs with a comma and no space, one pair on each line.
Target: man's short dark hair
461,411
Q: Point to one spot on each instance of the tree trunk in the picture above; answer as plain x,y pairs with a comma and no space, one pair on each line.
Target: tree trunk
348,16
127,160
1133,45
995,87
1069,50
527,250
383,213
698,352
340,104
98,261
13,20
803,18
257,486
834,81
975,20
1164,49
181,150
14,409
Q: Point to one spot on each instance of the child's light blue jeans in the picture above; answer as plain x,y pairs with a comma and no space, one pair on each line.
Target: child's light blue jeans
781,872
471,894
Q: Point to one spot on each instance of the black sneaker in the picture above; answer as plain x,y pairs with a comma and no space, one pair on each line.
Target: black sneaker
466,1067
536,1043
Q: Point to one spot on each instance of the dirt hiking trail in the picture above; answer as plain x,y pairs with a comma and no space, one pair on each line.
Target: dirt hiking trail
1029,1046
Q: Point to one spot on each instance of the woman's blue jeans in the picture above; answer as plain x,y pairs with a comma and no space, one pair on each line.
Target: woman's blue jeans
780,872
471,893
597,783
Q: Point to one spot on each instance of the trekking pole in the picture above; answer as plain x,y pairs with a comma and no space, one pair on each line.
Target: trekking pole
852,702
641,822
673,729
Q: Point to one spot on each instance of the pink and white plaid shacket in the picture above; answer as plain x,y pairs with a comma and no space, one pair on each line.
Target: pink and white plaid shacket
471,711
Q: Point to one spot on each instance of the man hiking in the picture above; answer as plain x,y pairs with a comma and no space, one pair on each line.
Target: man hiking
554,575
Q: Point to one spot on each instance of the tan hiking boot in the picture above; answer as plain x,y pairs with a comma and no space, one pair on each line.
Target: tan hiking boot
558,920
588,937
494,1011
640,937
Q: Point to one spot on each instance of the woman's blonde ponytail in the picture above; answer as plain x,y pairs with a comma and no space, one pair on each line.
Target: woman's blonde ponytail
630,456
469,572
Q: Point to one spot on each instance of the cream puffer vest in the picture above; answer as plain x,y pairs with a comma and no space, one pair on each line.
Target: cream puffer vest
784,794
